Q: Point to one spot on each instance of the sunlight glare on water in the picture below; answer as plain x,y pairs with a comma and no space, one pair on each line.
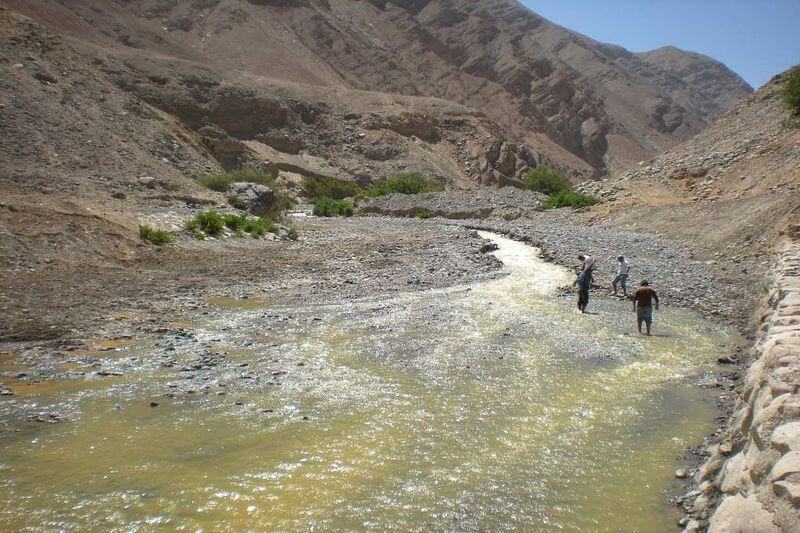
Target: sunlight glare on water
493,406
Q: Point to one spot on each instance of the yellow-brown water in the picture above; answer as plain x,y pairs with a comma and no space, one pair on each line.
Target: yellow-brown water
491,407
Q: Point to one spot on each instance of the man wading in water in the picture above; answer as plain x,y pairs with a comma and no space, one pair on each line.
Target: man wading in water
643,305
584,282
622,277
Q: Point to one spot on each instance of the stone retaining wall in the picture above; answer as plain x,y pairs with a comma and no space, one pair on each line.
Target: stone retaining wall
754,474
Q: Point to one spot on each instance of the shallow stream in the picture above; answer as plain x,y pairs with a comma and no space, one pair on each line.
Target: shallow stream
493,406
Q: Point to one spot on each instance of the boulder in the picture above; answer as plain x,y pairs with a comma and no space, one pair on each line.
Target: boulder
788,464
256,198
787,437
737,514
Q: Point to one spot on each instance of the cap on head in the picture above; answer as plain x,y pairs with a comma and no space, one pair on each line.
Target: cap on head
620,258
581,257
645,283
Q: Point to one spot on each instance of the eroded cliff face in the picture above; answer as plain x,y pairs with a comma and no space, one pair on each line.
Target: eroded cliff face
582,106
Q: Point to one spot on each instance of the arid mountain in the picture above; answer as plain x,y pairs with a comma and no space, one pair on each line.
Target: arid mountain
706,75
732,189
471,91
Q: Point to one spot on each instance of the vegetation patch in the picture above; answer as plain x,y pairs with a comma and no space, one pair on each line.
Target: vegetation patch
569,199
212,222
314,187
209,222
791,96
404,183
155,236
330,207
220,182
257,227
557,187
546,180
423,213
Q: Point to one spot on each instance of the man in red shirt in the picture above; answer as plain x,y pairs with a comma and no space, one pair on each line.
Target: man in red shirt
643,305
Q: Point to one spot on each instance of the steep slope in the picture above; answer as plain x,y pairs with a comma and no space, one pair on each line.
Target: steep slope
731,189
708,76
584,106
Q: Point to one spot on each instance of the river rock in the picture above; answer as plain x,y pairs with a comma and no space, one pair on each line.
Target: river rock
257,198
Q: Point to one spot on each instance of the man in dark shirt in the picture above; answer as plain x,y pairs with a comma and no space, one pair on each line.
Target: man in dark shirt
643,305
584,282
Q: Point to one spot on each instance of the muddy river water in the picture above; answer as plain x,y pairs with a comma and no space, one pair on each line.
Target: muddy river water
493,406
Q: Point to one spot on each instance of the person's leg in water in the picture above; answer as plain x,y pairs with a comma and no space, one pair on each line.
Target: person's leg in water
644,314
583,300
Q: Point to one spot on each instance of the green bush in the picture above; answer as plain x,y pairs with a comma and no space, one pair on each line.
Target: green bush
329,207
791,93
212,222
235,222
423,213
155,236
546,180
209,222
404,183
314,187
292,234
257,227
569,199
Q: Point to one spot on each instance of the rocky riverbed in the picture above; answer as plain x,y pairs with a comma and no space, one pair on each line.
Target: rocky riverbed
444,391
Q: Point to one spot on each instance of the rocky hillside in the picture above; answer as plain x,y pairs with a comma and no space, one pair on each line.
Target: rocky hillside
471,91
706,75
731,189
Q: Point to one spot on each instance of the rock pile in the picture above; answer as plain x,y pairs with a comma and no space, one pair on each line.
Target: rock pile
755,472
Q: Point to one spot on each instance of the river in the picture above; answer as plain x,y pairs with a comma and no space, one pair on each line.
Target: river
493,406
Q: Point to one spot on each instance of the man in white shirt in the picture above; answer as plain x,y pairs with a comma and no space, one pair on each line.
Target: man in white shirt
623,270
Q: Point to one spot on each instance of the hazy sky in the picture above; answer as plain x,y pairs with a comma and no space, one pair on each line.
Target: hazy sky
756,38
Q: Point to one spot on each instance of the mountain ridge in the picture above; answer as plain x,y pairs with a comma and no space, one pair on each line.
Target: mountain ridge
579,105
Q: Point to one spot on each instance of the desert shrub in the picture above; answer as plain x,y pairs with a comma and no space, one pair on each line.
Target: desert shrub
404,183
257,227
314,187
329,207
569,199
791,93
292,233
209,222
237,202
155,236
423,213
546,180
234,221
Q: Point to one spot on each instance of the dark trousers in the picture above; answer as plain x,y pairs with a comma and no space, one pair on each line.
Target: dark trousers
583,298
